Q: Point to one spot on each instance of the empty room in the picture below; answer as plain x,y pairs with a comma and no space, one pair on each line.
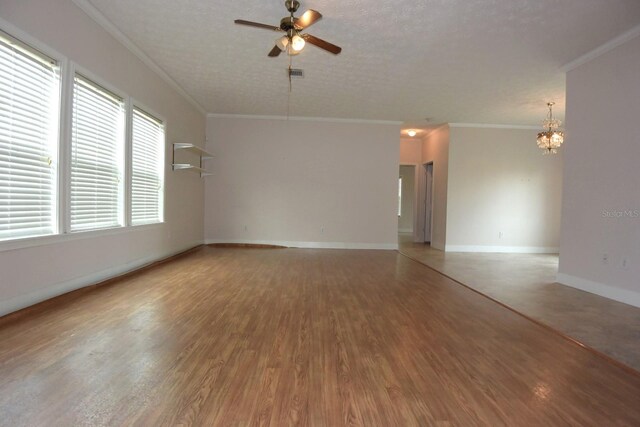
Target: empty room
319,213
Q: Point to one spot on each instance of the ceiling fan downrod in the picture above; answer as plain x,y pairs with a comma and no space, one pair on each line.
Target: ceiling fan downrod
288,23
292,6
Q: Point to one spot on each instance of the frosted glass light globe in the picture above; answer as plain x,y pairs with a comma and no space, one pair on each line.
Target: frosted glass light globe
297,43
282,43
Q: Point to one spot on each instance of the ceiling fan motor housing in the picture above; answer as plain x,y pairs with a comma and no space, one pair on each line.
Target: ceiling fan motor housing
288,23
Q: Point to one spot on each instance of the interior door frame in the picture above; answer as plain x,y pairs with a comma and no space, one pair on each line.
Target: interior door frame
414,195
428,203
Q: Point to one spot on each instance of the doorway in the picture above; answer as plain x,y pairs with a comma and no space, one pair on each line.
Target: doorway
406,200
428,203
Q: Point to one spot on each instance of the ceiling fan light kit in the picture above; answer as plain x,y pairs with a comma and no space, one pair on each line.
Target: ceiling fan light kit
294,41
293,45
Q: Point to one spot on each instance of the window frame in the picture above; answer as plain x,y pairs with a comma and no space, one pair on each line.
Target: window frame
92,78
135,104
32,44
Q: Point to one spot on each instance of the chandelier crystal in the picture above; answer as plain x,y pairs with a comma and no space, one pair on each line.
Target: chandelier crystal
551,139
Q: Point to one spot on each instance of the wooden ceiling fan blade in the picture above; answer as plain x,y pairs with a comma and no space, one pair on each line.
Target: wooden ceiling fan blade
322,44
307,19
257,25
275,51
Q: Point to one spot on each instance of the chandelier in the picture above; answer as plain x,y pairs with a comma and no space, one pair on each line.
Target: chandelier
552,138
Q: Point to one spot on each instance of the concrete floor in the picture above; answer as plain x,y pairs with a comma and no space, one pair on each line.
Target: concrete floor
526,283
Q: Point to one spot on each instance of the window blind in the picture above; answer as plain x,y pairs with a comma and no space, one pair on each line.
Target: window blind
146,168
97,148
29,105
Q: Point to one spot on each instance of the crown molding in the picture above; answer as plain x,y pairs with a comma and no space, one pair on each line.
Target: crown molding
110,28
444,125
601,50
492,126
428,134
304,119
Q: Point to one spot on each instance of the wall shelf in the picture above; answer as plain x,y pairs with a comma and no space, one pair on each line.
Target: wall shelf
190,166
193,148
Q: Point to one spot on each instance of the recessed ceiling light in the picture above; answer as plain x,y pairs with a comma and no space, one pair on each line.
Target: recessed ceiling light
412,133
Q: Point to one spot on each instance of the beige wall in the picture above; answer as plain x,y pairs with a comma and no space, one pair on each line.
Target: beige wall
601,208
302,183
435,148
504,195
60,264
410,151
405,220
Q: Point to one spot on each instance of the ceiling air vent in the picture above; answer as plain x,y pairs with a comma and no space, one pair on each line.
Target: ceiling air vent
295,73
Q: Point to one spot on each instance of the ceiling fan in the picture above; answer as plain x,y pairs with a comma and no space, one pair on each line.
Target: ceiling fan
294,40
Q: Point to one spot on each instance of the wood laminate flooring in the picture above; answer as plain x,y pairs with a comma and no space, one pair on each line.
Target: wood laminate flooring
240,337
527,284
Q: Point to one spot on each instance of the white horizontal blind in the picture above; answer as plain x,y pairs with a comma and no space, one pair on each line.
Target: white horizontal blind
146,168
97,148
29,105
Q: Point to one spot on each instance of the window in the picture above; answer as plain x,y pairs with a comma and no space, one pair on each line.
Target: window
111,165
400,196
147,169
29,105
97,157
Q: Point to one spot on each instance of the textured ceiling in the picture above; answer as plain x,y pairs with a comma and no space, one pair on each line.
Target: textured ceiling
482,61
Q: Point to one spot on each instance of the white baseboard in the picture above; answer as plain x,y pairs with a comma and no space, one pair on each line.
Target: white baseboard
503,249
308,245
617,294
22,301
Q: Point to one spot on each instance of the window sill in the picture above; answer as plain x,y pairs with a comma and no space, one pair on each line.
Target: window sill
31,242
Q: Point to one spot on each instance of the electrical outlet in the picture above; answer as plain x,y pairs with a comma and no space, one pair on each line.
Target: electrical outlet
605,259
322,230
625,264
245,228
500,234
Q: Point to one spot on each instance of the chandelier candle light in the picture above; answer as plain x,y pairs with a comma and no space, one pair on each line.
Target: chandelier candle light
551,139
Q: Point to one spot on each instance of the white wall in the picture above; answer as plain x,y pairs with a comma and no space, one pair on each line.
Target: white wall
302,183
504,195
435,148
601,207
405,220
60,264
